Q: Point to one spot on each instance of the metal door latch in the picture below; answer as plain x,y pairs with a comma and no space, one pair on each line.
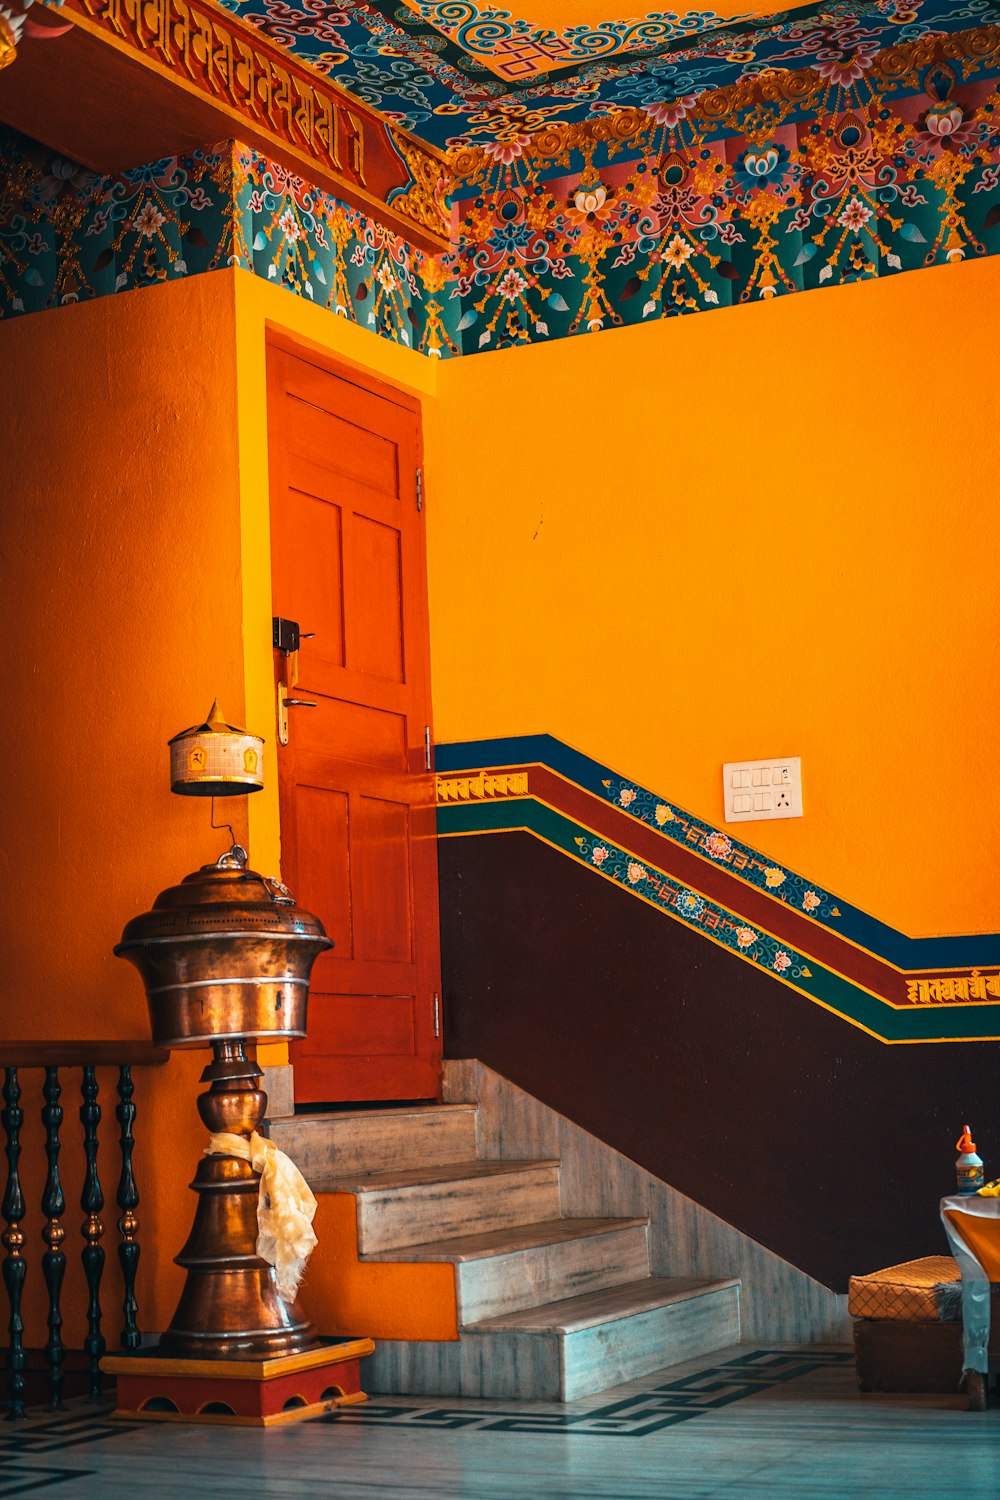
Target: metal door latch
284,704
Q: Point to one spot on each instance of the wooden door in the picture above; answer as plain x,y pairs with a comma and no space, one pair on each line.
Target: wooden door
357,813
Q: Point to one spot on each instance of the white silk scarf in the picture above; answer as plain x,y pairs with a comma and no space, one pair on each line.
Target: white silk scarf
285,1208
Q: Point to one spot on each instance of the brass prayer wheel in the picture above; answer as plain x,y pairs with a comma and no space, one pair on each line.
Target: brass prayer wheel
225,957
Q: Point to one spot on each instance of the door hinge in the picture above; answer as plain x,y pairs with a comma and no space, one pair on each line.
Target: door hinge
437,1015
427,747
420,489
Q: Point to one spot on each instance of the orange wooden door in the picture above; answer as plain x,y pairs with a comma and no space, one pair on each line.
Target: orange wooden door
357,814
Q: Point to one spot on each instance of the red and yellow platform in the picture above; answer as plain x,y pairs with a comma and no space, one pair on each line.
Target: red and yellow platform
246,1393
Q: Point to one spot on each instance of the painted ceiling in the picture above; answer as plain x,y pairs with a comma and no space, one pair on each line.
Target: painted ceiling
699,161
456,75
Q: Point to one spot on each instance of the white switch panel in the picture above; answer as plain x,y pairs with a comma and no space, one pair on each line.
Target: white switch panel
758,789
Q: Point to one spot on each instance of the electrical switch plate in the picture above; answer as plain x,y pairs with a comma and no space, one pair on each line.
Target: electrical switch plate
782,778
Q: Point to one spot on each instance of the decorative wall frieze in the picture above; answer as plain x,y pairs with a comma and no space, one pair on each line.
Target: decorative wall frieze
640,215
457,75
896,987
273,98
68,234
474,788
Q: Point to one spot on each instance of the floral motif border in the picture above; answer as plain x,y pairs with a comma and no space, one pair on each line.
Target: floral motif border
960,1008
697,911
68,234
603,238
469,768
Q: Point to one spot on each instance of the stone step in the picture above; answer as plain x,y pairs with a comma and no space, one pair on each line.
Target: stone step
575,1347
408,1207
340,1142
504,1270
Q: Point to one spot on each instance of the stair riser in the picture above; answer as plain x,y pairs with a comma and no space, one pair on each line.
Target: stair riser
551,1367
426,1211
546,1273
596,1358
330,1146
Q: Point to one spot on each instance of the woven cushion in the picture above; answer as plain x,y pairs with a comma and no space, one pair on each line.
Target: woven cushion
920,1291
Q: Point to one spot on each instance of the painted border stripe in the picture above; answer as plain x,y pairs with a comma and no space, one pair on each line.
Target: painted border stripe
816,982
971,951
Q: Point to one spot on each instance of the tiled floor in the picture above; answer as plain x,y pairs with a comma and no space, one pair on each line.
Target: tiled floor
746,1424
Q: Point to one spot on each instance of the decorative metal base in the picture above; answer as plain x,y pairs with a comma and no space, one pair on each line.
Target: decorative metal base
244,1393
230,1308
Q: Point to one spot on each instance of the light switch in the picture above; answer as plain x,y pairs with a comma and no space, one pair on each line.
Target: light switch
781,776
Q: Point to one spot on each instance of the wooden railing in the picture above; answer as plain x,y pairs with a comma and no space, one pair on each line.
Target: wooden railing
50,1057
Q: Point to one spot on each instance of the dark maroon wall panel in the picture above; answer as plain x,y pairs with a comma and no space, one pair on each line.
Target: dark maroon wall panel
828,1147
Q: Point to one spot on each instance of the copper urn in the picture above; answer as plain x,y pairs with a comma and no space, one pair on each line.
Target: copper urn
225,954
225,957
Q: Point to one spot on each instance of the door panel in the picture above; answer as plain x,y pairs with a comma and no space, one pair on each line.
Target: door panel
380,832
377,616
312,522
357,815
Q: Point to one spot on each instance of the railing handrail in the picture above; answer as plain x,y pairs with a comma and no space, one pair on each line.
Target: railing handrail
89,1054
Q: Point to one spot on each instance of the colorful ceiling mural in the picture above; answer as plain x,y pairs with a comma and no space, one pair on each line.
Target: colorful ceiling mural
735,162
448,71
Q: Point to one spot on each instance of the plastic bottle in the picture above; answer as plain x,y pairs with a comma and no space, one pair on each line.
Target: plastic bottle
969,1167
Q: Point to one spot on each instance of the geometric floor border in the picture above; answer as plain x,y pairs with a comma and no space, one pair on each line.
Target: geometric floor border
43,1433
639,1416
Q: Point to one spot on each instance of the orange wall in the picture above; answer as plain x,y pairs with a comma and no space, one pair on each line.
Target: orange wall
136,581
770,530
120,576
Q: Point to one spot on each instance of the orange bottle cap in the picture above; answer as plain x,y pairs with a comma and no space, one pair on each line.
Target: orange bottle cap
965,1142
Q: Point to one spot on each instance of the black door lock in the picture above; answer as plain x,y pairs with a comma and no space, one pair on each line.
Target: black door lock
286,635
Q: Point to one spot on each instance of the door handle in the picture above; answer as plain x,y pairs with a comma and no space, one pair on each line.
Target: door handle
284,704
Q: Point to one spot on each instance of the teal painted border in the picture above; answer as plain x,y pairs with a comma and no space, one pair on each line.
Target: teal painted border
741,861
814,980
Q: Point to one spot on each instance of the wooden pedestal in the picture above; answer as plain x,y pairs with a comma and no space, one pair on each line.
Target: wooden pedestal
247,1393
908,1357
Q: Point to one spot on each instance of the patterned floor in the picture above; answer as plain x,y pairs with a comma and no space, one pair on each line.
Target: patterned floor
640,1415
746,1424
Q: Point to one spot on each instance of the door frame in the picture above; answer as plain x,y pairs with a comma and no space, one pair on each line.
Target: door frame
353,372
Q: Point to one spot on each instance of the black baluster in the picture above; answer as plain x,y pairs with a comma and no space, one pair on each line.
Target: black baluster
14,1266
54,1259
92,1256
128,1202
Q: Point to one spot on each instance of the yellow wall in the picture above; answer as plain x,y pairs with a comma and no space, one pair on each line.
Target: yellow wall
770,530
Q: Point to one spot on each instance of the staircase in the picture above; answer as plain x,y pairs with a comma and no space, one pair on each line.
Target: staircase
467,1274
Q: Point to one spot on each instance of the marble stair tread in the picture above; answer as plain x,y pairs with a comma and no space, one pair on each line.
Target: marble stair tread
409,1206
424,1176
574,1314
373,1140
508,1241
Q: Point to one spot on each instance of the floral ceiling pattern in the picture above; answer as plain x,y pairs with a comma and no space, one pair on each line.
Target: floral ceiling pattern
433,68
827,150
